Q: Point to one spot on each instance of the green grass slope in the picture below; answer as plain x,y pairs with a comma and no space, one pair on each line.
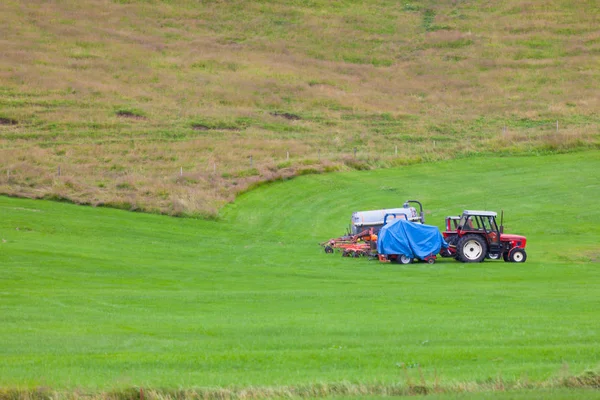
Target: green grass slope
104,299
158,105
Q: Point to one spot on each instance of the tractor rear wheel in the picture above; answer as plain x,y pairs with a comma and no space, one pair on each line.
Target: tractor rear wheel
402,259
518,255
471,248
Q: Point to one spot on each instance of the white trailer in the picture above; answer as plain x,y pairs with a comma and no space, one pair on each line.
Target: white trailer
375,219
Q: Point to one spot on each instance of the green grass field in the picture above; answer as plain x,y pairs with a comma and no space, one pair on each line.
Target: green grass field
100,299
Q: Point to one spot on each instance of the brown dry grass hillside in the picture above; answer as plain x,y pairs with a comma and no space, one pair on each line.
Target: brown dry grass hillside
175,106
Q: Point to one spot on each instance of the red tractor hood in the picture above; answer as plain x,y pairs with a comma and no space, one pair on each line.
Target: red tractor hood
517,240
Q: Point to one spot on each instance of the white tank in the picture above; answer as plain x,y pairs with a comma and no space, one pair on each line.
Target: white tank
362,220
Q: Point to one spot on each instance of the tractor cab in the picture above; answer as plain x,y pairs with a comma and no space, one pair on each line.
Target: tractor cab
483,222
476,235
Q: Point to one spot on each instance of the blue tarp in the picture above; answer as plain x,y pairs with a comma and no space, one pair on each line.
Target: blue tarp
411,239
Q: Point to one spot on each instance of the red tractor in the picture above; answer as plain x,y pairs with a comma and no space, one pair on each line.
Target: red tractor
474,236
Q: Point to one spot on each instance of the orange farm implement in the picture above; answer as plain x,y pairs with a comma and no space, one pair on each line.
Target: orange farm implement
360,245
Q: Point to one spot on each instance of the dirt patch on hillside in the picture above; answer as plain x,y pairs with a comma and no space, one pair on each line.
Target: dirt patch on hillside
202,127
291,117
130,114
8,121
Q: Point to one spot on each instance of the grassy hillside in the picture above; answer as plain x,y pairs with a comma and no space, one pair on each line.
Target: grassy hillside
159,105
101,299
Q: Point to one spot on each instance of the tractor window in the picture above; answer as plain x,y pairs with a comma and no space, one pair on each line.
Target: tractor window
475,223
490,224
454,225
470,223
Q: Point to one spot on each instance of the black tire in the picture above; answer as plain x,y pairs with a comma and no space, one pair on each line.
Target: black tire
451,240
518,255
445,253
402,259
431,260
505,256
471,248
328,249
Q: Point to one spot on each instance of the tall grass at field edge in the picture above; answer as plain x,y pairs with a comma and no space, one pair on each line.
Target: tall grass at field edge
416,386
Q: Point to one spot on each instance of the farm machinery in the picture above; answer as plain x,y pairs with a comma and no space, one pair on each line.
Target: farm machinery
403,242
361,237
399,235
475,235
359,245
363,220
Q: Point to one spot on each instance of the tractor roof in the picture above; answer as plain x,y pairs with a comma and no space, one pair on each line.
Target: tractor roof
482,213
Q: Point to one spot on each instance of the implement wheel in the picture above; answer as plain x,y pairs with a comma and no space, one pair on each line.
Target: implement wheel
402,259
328,249
471,248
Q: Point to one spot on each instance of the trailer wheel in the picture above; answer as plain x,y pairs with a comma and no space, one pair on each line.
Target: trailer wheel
431,260
402,259
471,248
518,255
328,249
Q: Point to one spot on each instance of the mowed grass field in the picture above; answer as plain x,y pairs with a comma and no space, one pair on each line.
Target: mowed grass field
100,299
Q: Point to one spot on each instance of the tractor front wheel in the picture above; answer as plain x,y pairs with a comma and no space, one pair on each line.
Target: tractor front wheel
471,248
518,255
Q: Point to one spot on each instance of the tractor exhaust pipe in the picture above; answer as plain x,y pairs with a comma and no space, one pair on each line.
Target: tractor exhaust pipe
502,222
